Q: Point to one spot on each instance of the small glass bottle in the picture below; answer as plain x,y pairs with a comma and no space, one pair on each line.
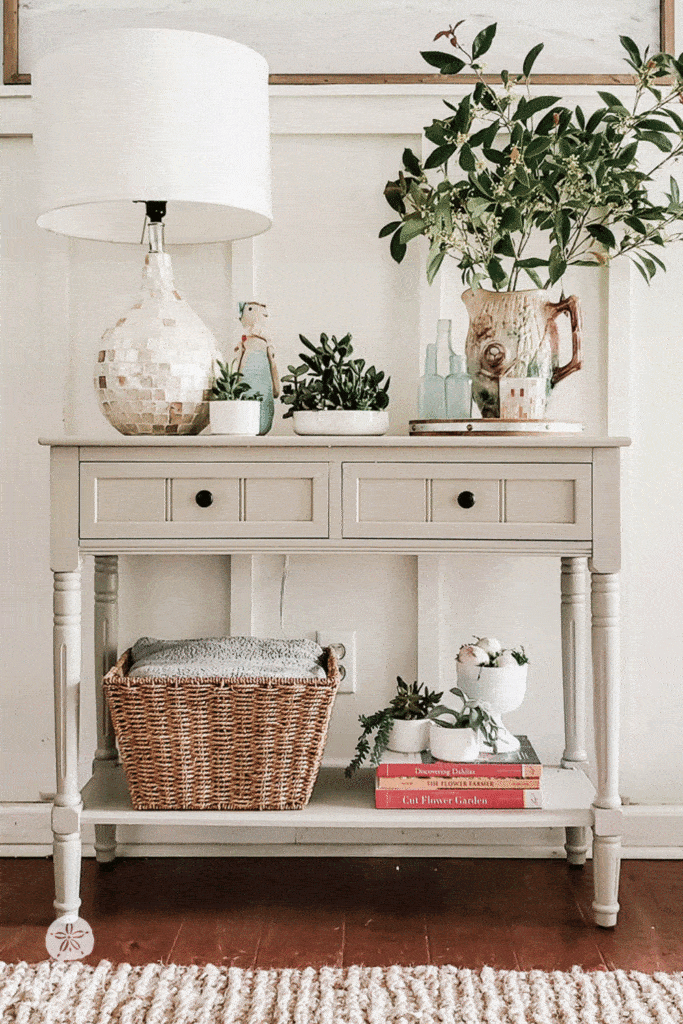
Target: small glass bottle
431,402
458,390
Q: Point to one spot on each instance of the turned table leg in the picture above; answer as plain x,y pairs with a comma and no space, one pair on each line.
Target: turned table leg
573,623
106,638
66,810
607,829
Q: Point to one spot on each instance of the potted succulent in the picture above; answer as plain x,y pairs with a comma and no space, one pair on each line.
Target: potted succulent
455,734
491,673
402,726
331,393
520,186
233,407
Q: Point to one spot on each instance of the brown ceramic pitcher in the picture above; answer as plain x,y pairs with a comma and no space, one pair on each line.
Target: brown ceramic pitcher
514,334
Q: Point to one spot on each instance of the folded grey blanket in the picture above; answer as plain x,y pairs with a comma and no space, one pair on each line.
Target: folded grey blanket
227,656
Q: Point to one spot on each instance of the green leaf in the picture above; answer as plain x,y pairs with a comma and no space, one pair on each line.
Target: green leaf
675,192
534,276
527,108
461,119
537,146
482,41
631,49
439,156
504,247
445,62
657,139
393,193
612,101
466,159
562,226
530,59
411,229
411,163
496,272
580,117
397,248
511,220
655,124
556,267
594,120
388,228
485,137
602,234
641,269
635,224
532,261
434,264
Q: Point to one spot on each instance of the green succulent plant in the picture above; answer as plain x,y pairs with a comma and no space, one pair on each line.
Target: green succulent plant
230,386
411,702
330,379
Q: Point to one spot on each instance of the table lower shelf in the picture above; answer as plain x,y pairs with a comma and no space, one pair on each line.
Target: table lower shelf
338,802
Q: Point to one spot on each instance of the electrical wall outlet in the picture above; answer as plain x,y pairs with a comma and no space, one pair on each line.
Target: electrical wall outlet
345,642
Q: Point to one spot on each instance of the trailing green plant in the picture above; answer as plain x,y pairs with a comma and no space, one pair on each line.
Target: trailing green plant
410,703
472,715
330,379
230,386
515,166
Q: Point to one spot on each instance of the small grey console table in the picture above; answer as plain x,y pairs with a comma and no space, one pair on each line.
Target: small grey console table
552,495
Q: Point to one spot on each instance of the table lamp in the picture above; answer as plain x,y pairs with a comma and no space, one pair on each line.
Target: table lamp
171,126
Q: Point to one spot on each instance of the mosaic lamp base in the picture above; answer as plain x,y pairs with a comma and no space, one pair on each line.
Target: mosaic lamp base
156,368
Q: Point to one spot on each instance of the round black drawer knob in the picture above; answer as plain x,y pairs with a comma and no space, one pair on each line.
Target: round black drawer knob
204,499
466,499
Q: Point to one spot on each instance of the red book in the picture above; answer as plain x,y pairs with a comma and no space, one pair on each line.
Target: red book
456,799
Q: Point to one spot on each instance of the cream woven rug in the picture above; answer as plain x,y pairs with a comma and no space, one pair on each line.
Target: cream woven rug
55,993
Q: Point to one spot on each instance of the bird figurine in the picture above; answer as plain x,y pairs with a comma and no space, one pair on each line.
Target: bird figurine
256,359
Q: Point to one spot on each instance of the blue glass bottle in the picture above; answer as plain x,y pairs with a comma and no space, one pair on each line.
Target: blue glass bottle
431,401
458,390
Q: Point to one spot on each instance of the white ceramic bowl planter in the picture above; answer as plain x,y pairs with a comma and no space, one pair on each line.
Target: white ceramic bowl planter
502,689
341,421
453,744
409,736
240,417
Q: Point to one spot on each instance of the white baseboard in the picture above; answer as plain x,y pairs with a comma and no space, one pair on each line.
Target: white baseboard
650,832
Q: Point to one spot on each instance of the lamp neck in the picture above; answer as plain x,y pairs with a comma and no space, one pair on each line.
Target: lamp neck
156,236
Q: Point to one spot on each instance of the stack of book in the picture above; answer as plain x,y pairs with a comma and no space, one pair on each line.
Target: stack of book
420,782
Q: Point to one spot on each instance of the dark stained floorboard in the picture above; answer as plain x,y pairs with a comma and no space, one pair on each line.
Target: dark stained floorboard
297,912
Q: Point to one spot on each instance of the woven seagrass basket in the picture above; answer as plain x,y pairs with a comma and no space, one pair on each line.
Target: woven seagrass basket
239,744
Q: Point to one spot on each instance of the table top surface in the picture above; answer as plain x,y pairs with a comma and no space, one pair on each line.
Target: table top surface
329,441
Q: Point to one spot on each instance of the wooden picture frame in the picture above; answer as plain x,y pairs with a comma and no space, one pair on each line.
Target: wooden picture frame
12,76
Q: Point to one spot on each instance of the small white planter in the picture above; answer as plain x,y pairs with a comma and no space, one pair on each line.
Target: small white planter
239,417
341,421
453,744
409,737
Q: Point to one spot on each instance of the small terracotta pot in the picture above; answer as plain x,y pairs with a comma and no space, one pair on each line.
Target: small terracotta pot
409,737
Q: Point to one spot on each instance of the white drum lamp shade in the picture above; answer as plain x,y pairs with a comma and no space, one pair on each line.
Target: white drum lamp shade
153,114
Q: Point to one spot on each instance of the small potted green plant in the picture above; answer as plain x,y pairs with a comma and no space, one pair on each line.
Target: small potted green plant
489,672
233,407
331,393
455,733
402,726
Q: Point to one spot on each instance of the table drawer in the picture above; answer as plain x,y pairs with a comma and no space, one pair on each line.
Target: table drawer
524,501
229,499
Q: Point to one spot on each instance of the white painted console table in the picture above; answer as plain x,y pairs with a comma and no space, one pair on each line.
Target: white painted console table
552,495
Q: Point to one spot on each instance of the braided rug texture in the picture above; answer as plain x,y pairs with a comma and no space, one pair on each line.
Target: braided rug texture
59,993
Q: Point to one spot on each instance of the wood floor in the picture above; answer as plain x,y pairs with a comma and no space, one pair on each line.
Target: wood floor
298,912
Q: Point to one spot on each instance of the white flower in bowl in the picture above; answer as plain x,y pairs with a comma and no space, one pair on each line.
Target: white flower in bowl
472,654
489,644
505,659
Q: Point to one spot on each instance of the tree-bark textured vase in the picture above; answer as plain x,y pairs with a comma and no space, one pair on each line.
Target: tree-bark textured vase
514,334
156,370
